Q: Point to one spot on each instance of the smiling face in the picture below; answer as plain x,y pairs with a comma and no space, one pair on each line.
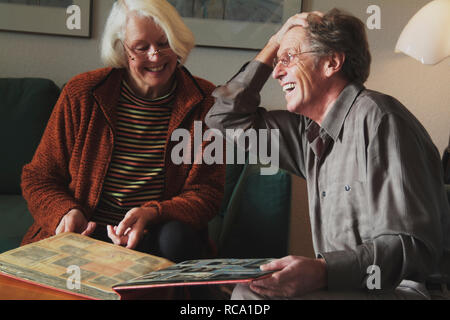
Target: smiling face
301,80
150,75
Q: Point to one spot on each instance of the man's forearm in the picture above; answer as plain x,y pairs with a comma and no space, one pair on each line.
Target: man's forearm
268,53
237,101
391,257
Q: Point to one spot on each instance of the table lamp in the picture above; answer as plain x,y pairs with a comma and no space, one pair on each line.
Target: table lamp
426,37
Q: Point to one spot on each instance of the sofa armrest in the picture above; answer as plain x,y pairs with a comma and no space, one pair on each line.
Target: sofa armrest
15,221
25,107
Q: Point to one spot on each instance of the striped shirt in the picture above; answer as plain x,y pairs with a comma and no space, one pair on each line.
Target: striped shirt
136,173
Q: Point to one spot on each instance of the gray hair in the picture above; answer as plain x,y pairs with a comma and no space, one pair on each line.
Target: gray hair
337,31
180,38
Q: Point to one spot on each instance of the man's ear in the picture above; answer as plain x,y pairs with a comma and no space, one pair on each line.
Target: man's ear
334,63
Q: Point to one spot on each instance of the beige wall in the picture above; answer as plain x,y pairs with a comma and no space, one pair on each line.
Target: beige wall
423,89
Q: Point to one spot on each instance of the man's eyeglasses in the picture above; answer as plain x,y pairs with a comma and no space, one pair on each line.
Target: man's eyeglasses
143,54
286,59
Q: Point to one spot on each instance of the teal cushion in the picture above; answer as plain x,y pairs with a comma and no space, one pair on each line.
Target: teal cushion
15,221
233,173
256,224
25,107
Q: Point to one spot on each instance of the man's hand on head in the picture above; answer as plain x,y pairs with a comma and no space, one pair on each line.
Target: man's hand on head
269,52
297,20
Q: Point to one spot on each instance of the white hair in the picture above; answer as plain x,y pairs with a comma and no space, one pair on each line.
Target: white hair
180,38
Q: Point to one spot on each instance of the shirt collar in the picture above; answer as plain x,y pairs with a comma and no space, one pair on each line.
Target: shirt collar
335,118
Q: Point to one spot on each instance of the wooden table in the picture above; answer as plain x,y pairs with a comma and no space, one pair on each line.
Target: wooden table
11,289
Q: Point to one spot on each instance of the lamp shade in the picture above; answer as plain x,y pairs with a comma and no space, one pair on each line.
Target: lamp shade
426,37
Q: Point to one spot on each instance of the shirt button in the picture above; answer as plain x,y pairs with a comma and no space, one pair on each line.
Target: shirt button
324,194
348,188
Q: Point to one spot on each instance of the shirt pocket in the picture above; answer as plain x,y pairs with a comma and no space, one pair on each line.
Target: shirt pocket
345,208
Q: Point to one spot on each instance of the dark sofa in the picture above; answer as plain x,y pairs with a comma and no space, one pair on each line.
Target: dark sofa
253,221
25,106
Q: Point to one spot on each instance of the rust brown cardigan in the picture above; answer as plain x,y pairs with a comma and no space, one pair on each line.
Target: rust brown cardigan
70,164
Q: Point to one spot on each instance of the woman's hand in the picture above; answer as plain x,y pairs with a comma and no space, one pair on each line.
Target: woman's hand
75,221
295,276
131,229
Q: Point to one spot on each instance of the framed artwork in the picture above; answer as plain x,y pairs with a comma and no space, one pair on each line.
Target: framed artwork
246,24
55,17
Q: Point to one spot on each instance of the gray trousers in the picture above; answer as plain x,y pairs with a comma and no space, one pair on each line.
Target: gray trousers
407,290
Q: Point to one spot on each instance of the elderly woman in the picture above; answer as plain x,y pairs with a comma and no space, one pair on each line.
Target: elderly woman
103,167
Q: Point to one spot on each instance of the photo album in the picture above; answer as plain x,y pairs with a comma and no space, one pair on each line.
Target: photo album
93,269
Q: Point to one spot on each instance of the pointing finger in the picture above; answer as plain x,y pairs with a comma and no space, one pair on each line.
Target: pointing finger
113,236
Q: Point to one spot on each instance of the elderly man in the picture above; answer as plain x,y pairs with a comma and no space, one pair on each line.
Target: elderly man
378,209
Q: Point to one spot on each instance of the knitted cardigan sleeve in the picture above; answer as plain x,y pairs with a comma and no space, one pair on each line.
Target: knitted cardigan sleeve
45,180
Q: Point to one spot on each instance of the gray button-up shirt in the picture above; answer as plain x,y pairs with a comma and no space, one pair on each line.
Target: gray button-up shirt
375,181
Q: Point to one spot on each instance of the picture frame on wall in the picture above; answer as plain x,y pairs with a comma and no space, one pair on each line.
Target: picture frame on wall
52,17
244,24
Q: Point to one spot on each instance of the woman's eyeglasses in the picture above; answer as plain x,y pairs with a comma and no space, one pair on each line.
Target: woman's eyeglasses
143,54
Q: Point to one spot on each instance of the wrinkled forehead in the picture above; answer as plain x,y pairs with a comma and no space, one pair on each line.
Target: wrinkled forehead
295,40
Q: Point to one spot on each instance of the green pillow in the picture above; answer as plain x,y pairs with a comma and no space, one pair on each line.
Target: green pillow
256,224
233,173
25,107
15,221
